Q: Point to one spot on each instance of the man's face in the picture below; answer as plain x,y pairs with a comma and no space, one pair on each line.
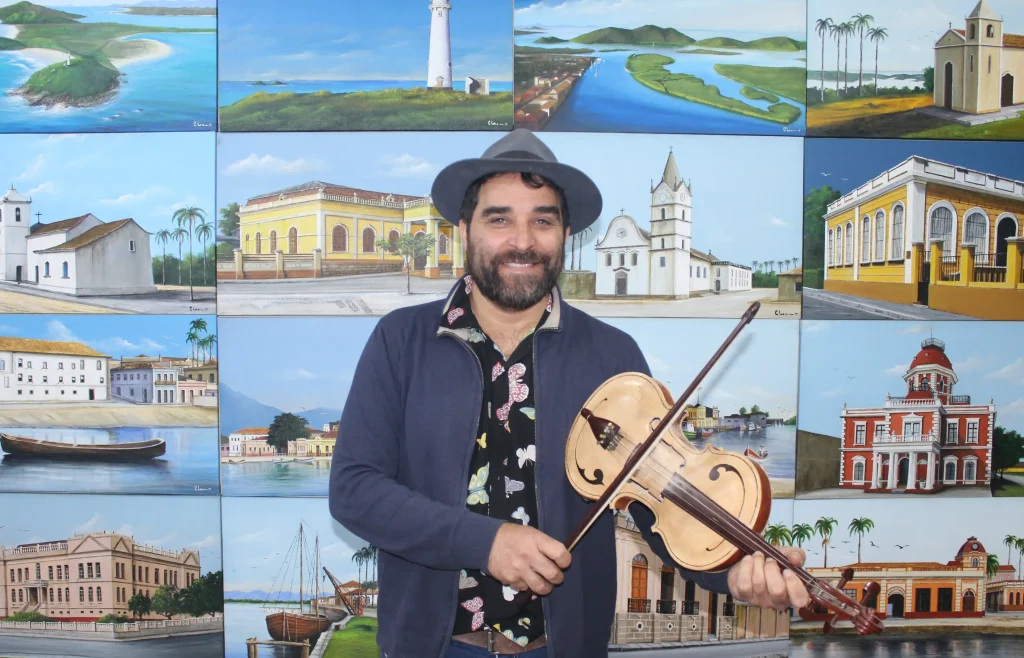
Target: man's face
516,247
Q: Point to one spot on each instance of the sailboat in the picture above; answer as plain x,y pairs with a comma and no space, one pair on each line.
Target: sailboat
289,626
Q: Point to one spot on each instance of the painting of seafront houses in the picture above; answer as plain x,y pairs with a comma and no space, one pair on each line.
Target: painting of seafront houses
944,69
913,230
348,65
930,410
94,405
660,66
143,571
96,224
948,588
306,232
279,426
286,561
84,66
734,409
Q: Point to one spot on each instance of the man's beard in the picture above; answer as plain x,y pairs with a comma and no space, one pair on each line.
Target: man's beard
522,292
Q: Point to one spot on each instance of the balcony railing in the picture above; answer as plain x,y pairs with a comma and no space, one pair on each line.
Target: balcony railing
960,399
904,402
639,605
691,607
666,607
907,438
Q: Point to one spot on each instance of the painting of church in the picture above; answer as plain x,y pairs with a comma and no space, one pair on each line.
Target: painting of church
926,441
661,262
80,256
979,69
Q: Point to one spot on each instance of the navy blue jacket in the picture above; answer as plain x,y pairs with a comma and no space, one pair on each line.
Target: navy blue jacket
400,470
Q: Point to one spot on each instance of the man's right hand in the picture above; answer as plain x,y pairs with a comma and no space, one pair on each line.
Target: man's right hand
525,558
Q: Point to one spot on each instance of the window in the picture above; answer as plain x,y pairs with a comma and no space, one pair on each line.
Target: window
622,260
633,259
865,239
273,242
81,595
849,243
90,595
859,432
942,229
990,60
64,270
952,431
972,431
60,598
46,268
98,570
949,471
99,595
990,32
17,214
88,569
976,232
663,213
945,599
293,241
972,60
911,427
131,245
879,430
880,235
974,32
922,600
339,238
858,472
442,244
831,239
81,570
970,470
259,242
99,364
49,572
39,574
608,260
368,240
662,261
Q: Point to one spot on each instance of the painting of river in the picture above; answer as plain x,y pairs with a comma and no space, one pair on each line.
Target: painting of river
167,83
890,645
778,440
189,465
276,478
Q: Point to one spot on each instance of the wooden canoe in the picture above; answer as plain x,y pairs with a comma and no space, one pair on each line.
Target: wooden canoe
292,627
752,453
119,452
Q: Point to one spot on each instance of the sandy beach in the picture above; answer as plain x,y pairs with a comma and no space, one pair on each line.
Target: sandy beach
36,57
152,50
105,415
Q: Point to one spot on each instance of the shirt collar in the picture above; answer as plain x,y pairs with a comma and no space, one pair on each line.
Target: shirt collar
459,295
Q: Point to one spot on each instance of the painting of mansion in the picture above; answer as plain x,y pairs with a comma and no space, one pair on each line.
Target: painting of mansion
165,380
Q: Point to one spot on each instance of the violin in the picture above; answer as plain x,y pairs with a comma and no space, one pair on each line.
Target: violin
710,505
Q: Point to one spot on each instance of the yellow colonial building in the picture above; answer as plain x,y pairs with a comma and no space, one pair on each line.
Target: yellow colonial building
321,229
930,233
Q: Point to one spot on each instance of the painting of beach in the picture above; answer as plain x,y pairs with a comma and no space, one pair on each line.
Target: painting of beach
666,66
133,67
412,65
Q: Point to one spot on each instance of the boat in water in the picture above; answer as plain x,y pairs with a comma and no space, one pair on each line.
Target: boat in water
689,431
762,454
115,452
290,626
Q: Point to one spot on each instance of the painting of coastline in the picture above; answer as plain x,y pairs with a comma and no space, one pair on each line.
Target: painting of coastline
287,558
144,572
79,66
306,231
930,410
936,69
87,406
947,588
97,224
662,66
406,65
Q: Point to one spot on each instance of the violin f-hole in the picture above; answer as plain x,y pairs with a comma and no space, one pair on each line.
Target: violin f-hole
714,473
598,475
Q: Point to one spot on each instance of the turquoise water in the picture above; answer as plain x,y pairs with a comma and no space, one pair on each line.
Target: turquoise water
175,93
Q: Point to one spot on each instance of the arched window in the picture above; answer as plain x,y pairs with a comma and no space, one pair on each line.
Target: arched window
608,260
831,246
339,238
17,214
64,269
976,232
950,471
975,562
880,235
633,258
293,241
865,239
442,244
942,229
393,237
259,243
896,253
46,268
990,32
970,469
974,32
622,260
273,242
663,213
968,604
858,471
245,244
368,240
849,243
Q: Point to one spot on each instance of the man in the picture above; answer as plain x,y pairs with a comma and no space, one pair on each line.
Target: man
451,453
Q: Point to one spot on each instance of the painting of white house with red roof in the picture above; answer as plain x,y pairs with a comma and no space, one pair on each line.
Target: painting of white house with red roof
930,410
95,224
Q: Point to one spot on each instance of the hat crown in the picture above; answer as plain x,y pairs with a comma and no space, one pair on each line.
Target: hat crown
519,143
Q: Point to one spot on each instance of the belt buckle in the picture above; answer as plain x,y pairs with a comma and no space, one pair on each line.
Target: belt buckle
490,642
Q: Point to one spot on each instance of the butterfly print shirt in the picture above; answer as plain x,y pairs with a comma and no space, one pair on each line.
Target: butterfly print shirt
501,480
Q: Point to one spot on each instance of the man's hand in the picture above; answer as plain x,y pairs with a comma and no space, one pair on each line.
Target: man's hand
525,558
760,582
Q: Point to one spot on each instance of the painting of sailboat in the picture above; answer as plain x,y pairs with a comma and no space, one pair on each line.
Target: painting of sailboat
292,626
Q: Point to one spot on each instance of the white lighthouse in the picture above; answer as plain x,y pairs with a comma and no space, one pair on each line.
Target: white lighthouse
439,67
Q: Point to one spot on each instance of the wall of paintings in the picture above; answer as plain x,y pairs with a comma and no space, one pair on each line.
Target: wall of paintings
207,207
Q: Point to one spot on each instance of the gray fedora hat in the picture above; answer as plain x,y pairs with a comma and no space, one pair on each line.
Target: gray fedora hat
519,150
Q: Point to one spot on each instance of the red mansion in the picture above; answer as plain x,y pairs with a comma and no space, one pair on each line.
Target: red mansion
923,442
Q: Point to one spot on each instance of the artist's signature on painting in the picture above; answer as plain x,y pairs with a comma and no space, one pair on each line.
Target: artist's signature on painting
199,489
196,124
497,123
787,129
787,313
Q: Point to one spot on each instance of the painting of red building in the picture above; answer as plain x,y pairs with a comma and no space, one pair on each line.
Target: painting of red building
1005,592
927,440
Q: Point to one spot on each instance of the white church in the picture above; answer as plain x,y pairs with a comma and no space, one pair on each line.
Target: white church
81,256
661,262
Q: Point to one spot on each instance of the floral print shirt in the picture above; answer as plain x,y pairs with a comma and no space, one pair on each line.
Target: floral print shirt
501,482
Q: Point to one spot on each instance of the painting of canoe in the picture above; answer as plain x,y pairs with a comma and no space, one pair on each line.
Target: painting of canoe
293,627
148,449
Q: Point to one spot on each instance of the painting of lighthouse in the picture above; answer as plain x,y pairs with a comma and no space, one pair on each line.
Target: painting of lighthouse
367,66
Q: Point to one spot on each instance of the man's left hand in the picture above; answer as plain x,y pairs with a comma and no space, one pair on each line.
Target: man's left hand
760,582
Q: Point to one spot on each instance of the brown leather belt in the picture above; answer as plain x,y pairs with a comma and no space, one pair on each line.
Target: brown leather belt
497,643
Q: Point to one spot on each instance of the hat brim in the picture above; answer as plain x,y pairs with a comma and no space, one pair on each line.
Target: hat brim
581,194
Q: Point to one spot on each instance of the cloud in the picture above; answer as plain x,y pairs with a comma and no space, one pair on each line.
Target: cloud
1013,371
253,536
899,369
48,186
407,165
57,139
814,326
213,541
348,38
33,168
1015,408
89,526
308,54
970,364
915,329
785,15
57,330
126,529
833,393
775,221
269,164
132,198
8,329
656,364
159,542
116,344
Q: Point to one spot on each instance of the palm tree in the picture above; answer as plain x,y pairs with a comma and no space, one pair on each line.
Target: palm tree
583,234
859,527
796,262
572,256
823,26
824,527
193,339
161,237
204,231
359,558
1019,545
1010,542
189,215
179,234
778,534
877,34
992,565
862,22
801,533
847,29
373,554
210,341
836,30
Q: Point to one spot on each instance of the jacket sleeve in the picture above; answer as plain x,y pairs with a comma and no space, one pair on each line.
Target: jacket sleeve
644,518
364,494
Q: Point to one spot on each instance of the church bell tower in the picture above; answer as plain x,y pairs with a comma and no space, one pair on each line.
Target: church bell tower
15,225
671,221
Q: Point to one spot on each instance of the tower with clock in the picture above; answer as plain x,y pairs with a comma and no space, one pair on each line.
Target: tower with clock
671,222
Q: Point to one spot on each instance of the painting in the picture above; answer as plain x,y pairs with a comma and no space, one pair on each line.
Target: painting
143,571
96,224
349,65
932,410
306,231
941,69
93,406
288,562
951,588
661,66
913,230
83,66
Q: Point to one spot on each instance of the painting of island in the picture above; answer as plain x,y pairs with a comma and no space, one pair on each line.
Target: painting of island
97,224
130,67
941,69
91,405
930,410
287,559
948,576
111,576
660,66
348,65
306,230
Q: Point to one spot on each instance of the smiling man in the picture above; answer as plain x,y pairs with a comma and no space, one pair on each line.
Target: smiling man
451,453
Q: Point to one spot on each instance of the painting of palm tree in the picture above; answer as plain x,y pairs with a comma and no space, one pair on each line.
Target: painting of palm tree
858,527
824,527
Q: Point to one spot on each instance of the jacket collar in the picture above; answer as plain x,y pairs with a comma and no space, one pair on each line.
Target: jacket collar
554,321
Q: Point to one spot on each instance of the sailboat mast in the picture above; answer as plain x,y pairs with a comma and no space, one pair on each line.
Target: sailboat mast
316,579
300,568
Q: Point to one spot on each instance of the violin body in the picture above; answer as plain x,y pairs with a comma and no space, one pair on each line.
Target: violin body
639,403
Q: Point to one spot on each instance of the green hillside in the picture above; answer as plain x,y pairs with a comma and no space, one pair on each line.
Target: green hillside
551,40
782,44
83,83
23,13
646,35
10,44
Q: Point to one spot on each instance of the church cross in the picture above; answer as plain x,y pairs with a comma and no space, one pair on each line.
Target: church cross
622,211
38,214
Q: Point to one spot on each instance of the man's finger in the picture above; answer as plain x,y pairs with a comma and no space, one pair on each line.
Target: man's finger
555,550
537,583
776,584
757,579
744,589
798,596
797,556
547,569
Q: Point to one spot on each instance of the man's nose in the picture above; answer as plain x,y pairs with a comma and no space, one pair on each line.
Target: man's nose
523,237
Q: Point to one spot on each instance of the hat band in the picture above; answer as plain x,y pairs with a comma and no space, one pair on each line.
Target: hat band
520,154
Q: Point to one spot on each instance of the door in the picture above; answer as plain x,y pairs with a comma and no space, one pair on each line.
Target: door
92,393
37,274
903,472
621,283
923,281
718,285
947,83
896,605
1007,229
968,604
1007,95
17,274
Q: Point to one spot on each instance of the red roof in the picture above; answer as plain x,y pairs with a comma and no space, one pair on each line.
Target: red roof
329,188
969,547
932,353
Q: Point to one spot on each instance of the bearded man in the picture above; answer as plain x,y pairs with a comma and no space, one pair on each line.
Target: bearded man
450,453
